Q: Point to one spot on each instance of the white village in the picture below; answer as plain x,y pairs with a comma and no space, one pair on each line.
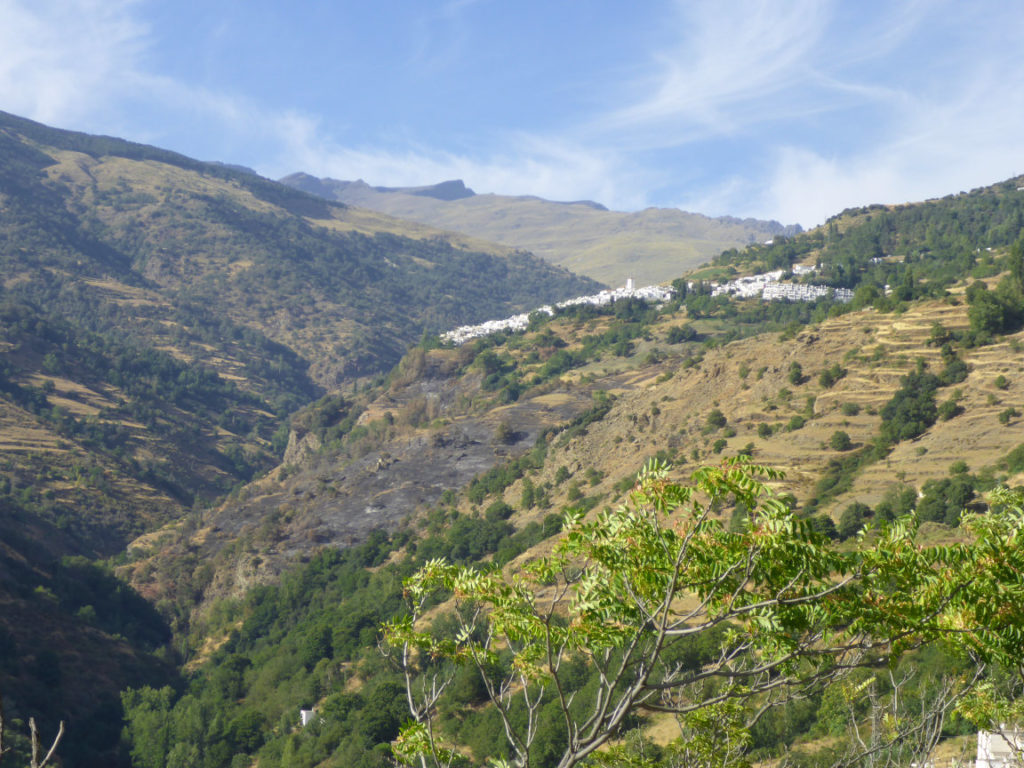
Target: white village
767,286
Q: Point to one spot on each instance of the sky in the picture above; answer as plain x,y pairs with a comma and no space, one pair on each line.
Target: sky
781,109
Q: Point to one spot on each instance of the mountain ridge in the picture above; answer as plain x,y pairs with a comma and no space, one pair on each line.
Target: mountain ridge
653,245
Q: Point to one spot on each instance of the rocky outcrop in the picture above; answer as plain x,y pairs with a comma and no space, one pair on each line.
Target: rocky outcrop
300,448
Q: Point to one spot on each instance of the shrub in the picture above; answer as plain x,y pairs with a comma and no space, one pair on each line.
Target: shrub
498,510
943,500
796,373
912,408
950,408
852,520
716,420
831,375
840,441
677,334
824,525
898,501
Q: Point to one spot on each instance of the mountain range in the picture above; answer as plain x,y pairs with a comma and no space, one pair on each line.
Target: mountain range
651,246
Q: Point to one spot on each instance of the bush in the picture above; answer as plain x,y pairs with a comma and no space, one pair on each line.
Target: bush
912,408
716,420
499,510
840,441
824,525
831,375
898,501
943,500
948,409
850,409
677,334
852,520
959,467
796,373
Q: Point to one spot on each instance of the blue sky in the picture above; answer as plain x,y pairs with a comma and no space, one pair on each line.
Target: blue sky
789,109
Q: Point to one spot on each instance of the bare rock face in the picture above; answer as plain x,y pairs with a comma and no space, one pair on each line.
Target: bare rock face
300,448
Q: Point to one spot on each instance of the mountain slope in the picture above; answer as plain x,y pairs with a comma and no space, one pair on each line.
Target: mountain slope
303,619
163,315
160,319
652,246
355,463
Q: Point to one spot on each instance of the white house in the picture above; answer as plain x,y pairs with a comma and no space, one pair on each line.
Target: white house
1000,750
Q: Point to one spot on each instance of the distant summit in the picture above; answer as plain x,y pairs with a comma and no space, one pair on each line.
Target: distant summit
446,190
335,189
235,167
654,245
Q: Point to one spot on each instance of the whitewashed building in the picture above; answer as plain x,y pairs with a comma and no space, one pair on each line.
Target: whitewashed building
1000,750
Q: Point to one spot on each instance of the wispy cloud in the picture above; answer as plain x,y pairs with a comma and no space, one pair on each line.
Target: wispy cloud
725,66
935,146
62,60
441,35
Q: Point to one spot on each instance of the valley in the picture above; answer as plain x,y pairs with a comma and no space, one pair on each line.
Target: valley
237,397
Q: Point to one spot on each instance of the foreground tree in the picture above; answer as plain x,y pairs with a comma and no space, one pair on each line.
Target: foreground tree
36,748
674,612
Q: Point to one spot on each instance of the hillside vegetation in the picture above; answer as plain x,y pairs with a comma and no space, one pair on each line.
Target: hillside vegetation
160,319
224,386
906,398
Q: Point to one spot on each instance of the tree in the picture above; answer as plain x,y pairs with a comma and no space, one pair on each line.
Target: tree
987,314
677,334
716,420
633,590
852,519
33,741
796,373
840,441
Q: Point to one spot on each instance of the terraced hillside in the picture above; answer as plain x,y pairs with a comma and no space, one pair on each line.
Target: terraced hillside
162,316
203,357
906,398
472,453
